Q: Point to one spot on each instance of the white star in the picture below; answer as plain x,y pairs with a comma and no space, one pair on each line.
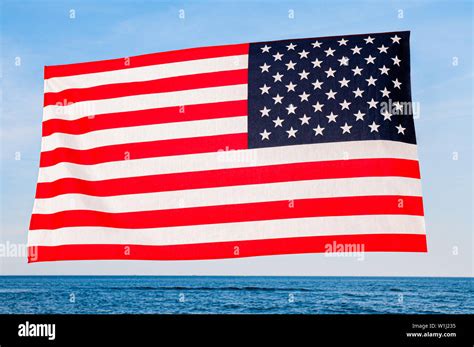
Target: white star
278,122
371,81
386,115
265,67
358,92
265,49
370,59
317,63
385,92
346,128
265,111
344,82
359,115
304,96
331,94
265,89
372,103
318,107
395,39
398,106
291,87
317,44
382,49
305,119
278,56
278,99
357,71
265,135
317,84
291,109
356,50
369,40
330,72
303,54
343,42
384,70
277,77
396,61
396,83
318,131
374,127
344,105
291,47
290,65
332,117
343,61
303,75
329,52
401,130
292,132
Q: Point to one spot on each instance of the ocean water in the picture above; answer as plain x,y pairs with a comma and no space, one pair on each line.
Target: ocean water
233,295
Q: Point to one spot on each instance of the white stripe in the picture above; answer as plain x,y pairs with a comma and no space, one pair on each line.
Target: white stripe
330,188
146,73
155,132
298,227
231,159
146,101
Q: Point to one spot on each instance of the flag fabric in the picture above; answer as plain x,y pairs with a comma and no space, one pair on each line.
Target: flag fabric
281,147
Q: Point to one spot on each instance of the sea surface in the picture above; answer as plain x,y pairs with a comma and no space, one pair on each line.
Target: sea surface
234,295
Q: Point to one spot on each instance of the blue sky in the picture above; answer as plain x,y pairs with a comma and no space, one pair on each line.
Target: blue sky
39,33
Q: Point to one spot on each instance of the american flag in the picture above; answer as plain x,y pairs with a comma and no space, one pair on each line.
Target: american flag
265,148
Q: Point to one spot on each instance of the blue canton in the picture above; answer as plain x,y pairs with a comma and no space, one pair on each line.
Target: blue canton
347,88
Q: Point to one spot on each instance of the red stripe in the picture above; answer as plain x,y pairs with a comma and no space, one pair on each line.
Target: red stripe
140,150
247,212
233,249
145,60
164,85
146,117
232,177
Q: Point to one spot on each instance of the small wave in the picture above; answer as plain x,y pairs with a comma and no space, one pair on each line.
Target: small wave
133,288
229,288
233,306
356,295
7,290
